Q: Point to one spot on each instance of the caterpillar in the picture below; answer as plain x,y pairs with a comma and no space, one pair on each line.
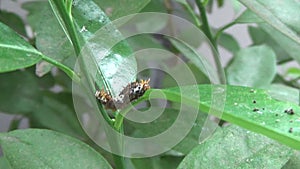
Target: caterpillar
131,92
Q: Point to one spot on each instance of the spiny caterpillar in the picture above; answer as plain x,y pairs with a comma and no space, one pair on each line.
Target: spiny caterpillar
130,93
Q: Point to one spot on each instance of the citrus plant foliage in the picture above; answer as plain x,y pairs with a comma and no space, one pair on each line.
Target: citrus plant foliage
247,109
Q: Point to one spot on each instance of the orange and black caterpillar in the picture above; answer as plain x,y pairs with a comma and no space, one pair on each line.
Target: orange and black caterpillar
130,93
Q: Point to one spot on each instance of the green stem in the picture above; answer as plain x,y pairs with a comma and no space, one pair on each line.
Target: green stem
105,115
118,121
205,2
207,31
285,61
192,13
288,83
69,6
220,31
120,115
119,161
64,10
118,125
65,13
205,26
69,24
64,68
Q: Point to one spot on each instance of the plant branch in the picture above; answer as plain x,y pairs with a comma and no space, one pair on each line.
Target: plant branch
220,31
205,2
121,114
118,121
205,26
284,61
69,24
207,32
288,83
105,115
62,67
191,11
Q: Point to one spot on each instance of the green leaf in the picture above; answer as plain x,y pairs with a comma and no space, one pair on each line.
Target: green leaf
282,45
20,92
4,163
220,3
281,22
15,52
254,66
56,112
158,162
143,41
201,62
47,81
156,23
294,71
155,6
259,37
168,80
229,42
13,21
248,17
36,148
284,93
234,147
106,46
189,33
51,40
63,81
152,23
294,162
165,121
116,9
280,16
290,47
237,6
266,115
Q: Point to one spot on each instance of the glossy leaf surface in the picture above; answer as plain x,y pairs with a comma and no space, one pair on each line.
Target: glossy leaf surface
51,40
279,19
234,147
253,66
37,148
252,109
15,52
